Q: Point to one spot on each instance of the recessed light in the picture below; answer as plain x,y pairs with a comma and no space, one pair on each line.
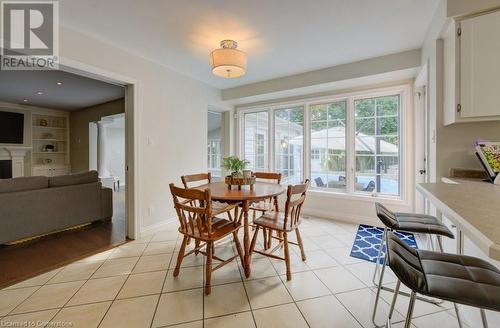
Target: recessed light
39,93
25,100
59,83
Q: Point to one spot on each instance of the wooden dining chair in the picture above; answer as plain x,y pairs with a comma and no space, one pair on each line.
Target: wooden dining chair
283,223
266,204
197,221
186,179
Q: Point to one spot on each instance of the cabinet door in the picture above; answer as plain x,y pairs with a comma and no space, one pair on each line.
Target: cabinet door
480,66
37,171
59,171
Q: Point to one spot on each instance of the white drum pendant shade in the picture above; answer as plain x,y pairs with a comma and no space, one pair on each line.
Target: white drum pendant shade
228,62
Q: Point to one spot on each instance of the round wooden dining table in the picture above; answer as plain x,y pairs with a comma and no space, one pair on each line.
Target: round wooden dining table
260,191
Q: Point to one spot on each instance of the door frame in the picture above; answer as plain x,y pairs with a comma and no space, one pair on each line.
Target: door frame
132,87
422,135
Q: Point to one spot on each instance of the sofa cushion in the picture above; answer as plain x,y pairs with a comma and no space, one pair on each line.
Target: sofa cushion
23,184
73,179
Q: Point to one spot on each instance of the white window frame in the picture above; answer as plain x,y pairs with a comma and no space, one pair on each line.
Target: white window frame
406,180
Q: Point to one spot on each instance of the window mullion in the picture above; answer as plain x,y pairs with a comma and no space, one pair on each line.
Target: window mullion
350,146
307,144
271,141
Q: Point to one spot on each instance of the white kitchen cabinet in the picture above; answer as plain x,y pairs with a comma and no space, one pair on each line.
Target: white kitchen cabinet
471,69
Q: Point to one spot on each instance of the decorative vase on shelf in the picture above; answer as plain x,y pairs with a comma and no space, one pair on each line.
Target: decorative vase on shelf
43,122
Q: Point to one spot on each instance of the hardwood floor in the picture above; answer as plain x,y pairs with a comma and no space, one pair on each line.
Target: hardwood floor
29,259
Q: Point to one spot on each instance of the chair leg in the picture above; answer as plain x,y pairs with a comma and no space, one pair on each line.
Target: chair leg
264,234
301,245
377,263
483,318
393,303
287,256
254,240
208,268
196,245
379,288
238,246
411,306
269,238
458,315
180,257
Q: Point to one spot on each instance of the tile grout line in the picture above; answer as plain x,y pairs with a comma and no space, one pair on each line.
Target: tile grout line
128,276
245,289
345,266
163,284
60,308
47,283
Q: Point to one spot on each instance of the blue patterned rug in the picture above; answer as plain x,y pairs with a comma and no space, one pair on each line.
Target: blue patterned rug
367,242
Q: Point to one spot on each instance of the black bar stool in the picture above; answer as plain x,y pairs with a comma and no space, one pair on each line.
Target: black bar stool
404,222
455,278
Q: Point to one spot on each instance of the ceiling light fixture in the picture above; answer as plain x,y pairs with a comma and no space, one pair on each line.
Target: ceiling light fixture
39,93
25,100
227,61
59,83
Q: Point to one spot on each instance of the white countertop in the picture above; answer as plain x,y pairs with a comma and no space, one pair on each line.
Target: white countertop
473,205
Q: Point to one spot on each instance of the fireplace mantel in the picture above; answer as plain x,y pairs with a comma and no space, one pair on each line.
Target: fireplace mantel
16,154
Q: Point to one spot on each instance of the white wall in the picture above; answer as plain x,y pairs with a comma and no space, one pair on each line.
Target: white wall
171,114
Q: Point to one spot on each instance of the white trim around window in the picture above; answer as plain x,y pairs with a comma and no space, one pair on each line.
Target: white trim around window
405,136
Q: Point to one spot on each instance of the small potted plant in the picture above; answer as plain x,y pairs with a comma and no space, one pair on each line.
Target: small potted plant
234,165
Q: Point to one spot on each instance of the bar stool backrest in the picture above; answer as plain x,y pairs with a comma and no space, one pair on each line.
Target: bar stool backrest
387,217
404,261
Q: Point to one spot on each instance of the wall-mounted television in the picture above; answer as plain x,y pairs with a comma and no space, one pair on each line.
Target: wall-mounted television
11,128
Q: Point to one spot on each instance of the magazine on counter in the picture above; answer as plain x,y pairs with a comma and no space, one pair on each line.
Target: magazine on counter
489,155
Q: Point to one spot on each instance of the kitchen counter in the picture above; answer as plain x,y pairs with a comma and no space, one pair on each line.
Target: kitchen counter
473,206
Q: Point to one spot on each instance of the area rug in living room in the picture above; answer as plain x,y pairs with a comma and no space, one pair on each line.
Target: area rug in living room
367,242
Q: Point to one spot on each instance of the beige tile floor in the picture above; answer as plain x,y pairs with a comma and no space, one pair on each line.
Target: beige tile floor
133,286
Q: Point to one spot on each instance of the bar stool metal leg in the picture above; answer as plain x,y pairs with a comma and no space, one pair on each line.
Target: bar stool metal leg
411,306
379,288
379,284
483,318
458,315
377,263
393,303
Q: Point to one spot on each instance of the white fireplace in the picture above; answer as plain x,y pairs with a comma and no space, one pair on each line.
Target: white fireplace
16,154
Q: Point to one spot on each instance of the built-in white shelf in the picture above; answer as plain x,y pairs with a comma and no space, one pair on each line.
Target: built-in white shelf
49,152
48,127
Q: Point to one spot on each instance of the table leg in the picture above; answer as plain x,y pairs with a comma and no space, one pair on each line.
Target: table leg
246,239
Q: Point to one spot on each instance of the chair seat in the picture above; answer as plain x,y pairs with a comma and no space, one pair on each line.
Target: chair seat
421,223
218,207
220,228
272,220
261,206
455,278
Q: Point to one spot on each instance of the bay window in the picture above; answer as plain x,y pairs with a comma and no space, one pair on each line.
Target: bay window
347,144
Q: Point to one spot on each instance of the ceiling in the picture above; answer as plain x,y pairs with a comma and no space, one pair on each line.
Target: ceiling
281,37
76,91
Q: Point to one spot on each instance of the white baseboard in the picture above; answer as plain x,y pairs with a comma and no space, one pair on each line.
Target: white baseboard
156,226
345,217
